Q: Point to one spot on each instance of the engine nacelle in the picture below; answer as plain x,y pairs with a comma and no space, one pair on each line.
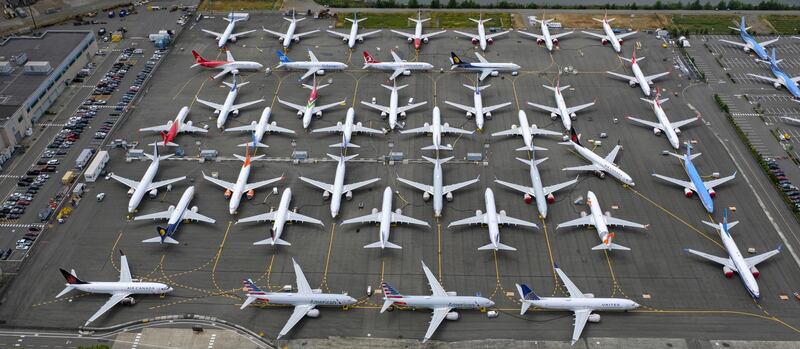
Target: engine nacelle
469,115
251,194
296,39
326,195
746,49
374,210
194,209
632,83
128,301
384,114
489,41
153,193
755,272
539,41
349,195
502,213
130,192
216,112
553,116
299,113
474,41
604,41
403,115
321,72
318,114
595,318
550,198
588,295
573,116
426,196
600,174
728,272
425,40
235,71
449,196
620,41
313,313
344,39
398,211
228,193
452,316
410,40
688,192
657,131
555,42
527,198
189,123
232,39
677,131
235,112
712,193
406,72
478,212
495,73
488,115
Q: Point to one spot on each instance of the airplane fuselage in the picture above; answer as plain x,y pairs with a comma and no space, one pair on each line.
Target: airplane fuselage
144,184
318,299
386,216
392,66
791,86
393,101
226,108
548,41
491,218
612,38
455,302
261,127
753,45
176,216
127,287
538,189
525,129
351,41
287,40
477,102
479,67
226,35
482,36
566,119
347,128
438,189
742,269
309,112
604,165
597,216
593,304
436,127
702,192
640,79
238,189
418,35
280,216
338,187
669,131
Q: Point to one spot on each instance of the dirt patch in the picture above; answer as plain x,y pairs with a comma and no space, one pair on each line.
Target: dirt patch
637,22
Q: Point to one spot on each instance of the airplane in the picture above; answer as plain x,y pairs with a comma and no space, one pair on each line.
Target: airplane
745,267
670,129
120,291
258,129
526,132
223,110
280,217
582,304
234,191
484,67
492,219
312,67
385,217
638,77
436,129
705,190
543,195
418,38
354,35
567,114
600,165
441,302
338,188
548,40
397,67
289,36
791,120
750,44
311,108
146,184
609,36
347,129
228,66
478,110
227,35
174,216
600,222
481,39
781,78
173,127
438,189
305,300
393,110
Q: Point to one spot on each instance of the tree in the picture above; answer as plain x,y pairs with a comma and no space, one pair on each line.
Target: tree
452,4
722,5
435,4
413,4
707,6
658,5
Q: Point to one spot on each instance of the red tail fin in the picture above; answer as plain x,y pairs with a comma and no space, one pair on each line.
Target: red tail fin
197,57
164,137
633,59
368,58
246,155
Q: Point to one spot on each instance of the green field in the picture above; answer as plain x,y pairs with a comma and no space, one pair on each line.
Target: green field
715,24
438,20
378,20
238,5
785,24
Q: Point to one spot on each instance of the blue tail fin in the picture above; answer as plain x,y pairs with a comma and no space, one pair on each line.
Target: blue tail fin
283,57
527,293
250,287
742,26
725,221
390,291
772,59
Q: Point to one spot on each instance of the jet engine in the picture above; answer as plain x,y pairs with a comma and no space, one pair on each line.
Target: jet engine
228,193
474,41
194,209
426,196
712,193
777,85
555,42
657,131
632,83
449,196
318,114
469,115
406,72
344,39
326,195
398,211
216,112
539,41
250,194
452,316
755,272
595,318
677,131
604,41
374,210
588,295
403,115
313,313
410,40
130,192
321,72
235,112
349,195
553,116
235,71
478,212
728,272
746,49
153,193
384,115
502,213
600,174
296,39
495,73
550,198
425,40
688,192
528,198
573,116
620,41
171,208
488,116
189,123
489,41
299,113
128,301
361,39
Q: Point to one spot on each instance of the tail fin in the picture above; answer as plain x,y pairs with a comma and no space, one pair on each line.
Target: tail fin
252,292
526,294
390,295
725,211
197,57
71,278
283,57
741,25
496,248
454,59
574,137
368,59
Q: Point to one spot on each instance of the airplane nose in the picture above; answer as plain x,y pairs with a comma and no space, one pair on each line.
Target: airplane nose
491,304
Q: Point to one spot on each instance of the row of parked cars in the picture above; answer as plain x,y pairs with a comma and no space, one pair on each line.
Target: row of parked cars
24,243
127,98
110,82
791,191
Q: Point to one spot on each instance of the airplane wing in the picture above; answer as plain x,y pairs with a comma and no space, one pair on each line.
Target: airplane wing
625,35
212,33
772,80
646,123
396,73
436,319
298,314
291,105
248,128
430,35
678,182
724,261
399,218
501,219
219,182
362,36
591,167
274,128
279,35
370,218
334,128
162,128
573,290
480,58
296,217
158,215
187,128
345,36
300,279
436,288
234,36
310,72
622,223
424,187
269,216
492,108
407,35
577,108
423,129
328,106
536,36
453,187
613,154
223,72
465,34
124,270
492,36
765,43
115,298
556,187
733,43
535,131
130,183
297,36
476,219
719,181
517,187
354,186
256,185
156,185
556,36
465,108
189,214
682,123
246,104
753,261
601,36
324,186
510,132
485,73
650,78
450,129
622,76
544,107
410,106
581,317
578,222
211,105
364,129
376,106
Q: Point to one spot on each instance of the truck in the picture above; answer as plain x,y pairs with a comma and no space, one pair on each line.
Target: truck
96,167
69,176
84,157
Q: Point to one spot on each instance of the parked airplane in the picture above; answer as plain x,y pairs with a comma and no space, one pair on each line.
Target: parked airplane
436,129
750,44
312,67
230,65
438,189
705,190
338,188
582,304
670,129
478,110
781,78
492,218
791,120
600,165
173,127
279,218
638,77
567,114
120,291
600,222
418,38
397,67
385,218
311,108
258,129
526,132
228,35
175,215
305,300
481,39
484,67
234,191
354,35
223,110
146,184
745,267
548,40
289,36
543,195
441,302
347,129
608,35
393,110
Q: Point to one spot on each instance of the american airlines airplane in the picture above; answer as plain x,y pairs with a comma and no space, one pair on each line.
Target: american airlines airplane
481,39
347,129
397,67
436,129
228,35
312,67
600,165
548,40
223,110
567,114
705,190
174,216
287,38
638,77
120,291
527,132
484,67
259,128
234,191
670,129
385,218
338,188
750,44
438,189
305,300
354,35
543,195
581,304
393,110
279,218
478,110
492,219
173,127
600,222
311,108
146,184
230,65
418,38
781,78
608,35
441,302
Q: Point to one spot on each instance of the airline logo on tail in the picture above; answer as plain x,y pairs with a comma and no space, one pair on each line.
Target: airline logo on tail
455,59
574,137
251,288
527,293
389,291
610,236
246,156
162,232
71,278
283,57
368,59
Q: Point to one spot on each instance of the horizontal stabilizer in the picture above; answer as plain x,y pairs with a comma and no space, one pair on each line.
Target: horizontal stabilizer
167,240
611,246
498,247
439,147
169,144
387,244
534,148
341,145
271,241
259,144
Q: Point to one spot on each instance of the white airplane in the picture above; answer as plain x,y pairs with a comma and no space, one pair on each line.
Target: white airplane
438,189
543,195
347,130
173,127
311,108
230,65
258,129
354,35
484,67
526,132
582,304
393,110
478,110
482,39
492,219
609,36
791,120
228,35
223,110
385,217
696,184
290,35
175,215
548,40
397,67
418,38
441,302
146,184
670,129
280,217
305,300
234,191
338,188
120,291
567,114
600,222
600,165
312,67
745,267
638,77
436,128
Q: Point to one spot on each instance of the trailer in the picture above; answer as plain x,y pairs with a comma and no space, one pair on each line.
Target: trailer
96,167
84,157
